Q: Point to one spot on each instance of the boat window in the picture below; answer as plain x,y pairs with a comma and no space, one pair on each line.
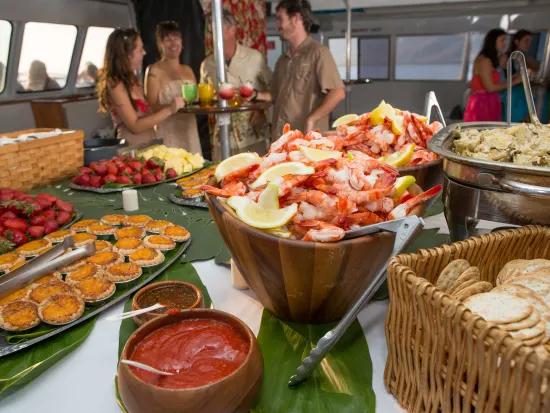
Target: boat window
92,55
5,36
430,57
374,57
274,50
337,46
46,55
476,42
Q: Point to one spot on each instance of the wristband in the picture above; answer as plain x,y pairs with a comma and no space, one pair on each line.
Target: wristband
255,94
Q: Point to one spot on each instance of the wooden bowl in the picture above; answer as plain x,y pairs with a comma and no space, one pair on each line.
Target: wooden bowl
305,282
427,175
143,318
236,392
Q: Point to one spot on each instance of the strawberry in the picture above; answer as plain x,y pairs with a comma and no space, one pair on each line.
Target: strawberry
17,195
135,165
145,171
2,230
48,214
153,163
109,178
137,177
43,202
95,181
82,180
123,179
100,169
17,236
171,173
21,208
16,223
50,226
119,163
64,206
7,215
35,232
63,217
5,245
6,194
160,176
83,170
49,197
148,179
112,169
125,169
38,220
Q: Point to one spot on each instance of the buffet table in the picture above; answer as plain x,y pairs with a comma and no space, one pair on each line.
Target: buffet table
85,378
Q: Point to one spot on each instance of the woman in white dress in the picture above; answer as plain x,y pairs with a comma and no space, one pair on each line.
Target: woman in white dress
164,81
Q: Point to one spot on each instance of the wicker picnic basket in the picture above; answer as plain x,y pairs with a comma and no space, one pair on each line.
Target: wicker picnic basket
441,356
40,162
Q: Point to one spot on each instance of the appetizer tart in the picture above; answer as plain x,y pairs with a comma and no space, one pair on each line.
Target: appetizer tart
83,238
147,257
129,232
56,276
34,248
19,315
159,242
101,245
192,193
81,226
101,229
42,292
125,271
115,219
61,309
176,233
15,266
9,260
59,236
86,271
20,294
156,226
105,258
75,265
137,220
127,246
95,289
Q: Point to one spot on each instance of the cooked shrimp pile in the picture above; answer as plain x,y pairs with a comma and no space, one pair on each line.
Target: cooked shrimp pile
346,191
393,135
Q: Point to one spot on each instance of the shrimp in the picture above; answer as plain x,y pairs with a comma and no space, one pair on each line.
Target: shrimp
360,219
242,173
230,189
384,205
280,144
321,231
402,210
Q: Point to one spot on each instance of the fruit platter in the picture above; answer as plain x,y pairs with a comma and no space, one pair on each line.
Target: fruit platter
151,167
189,192
24,217
130,251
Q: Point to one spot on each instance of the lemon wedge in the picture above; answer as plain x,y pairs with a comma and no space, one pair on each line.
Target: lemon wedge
402,184
345,120
280,170
257,216
400,159
316,155
382,111
397,125
279,232
236,162
350,157
421,118
269,198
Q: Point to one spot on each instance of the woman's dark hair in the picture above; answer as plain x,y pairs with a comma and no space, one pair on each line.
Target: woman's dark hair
166,29
489,49
520,34
301,7
116,66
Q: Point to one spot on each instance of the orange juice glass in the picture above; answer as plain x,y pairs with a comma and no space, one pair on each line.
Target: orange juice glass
206,94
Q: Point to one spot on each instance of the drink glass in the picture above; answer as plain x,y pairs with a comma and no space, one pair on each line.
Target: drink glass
189,92
226,91
246,90
206,94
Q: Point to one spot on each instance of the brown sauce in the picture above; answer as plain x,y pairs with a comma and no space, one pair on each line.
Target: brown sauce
177,297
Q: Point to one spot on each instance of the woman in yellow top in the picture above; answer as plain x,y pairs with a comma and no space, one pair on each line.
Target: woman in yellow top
164,81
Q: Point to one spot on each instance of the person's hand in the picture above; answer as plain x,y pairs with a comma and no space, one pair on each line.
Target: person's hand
257,118
177,104
310,124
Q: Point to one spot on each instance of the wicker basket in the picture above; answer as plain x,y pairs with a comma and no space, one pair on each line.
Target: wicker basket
441,356
40,162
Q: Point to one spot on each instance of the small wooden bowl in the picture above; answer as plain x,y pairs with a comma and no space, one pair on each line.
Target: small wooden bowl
236,392
304,282
143,318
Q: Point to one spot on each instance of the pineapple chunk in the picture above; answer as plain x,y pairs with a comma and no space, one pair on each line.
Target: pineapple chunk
187,167
176,164
197,160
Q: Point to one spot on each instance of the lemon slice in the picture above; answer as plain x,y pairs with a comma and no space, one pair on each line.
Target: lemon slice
350,157
382,111
421,118
400,159
259,217
236,162
345,120
280,170
397,125
279,232
402,184
316,155
269,198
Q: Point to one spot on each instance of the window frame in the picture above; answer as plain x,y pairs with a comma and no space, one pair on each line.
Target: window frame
86,29
344,37
8,57
389,72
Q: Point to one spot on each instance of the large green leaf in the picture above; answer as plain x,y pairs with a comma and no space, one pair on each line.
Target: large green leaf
18,369
343,382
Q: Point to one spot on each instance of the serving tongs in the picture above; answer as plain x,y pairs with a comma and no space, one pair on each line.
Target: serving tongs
405,230
45,263
520,58
431,103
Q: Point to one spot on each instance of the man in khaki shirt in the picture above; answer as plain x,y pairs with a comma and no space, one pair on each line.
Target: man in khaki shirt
249,131
306,84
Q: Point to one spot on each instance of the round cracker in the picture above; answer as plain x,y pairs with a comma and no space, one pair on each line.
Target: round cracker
543,309
477,288
499,307
529,333
534,341
471,273
454,291
538,285
508,267
531,321
450,274
514,289
533,265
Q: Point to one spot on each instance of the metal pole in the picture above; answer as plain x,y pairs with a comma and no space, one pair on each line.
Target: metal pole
224,120
348,57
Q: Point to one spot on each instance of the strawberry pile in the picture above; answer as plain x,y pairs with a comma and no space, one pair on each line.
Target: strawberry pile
123,170
24,217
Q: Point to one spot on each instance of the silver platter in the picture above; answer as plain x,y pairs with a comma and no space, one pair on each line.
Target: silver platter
199,203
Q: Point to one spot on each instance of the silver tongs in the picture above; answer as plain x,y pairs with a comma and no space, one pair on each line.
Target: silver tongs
405,230
431,102
45,263
517,55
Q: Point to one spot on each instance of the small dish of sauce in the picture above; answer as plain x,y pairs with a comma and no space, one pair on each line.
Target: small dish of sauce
173,297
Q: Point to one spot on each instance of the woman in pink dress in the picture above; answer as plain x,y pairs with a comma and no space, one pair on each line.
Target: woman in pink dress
120,90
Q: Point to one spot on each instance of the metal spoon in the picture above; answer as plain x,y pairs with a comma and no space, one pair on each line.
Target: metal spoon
146,367
129,314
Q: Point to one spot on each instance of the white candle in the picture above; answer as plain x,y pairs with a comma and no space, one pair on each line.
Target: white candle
237,279
130,200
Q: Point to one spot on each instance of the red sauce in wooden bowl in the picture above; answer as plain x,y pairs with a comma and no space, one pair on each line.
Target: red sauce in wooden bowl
198,352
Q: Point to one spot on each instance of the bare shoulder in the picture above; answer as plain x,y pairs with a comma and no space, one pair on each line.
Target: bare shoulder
155,70
186,69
